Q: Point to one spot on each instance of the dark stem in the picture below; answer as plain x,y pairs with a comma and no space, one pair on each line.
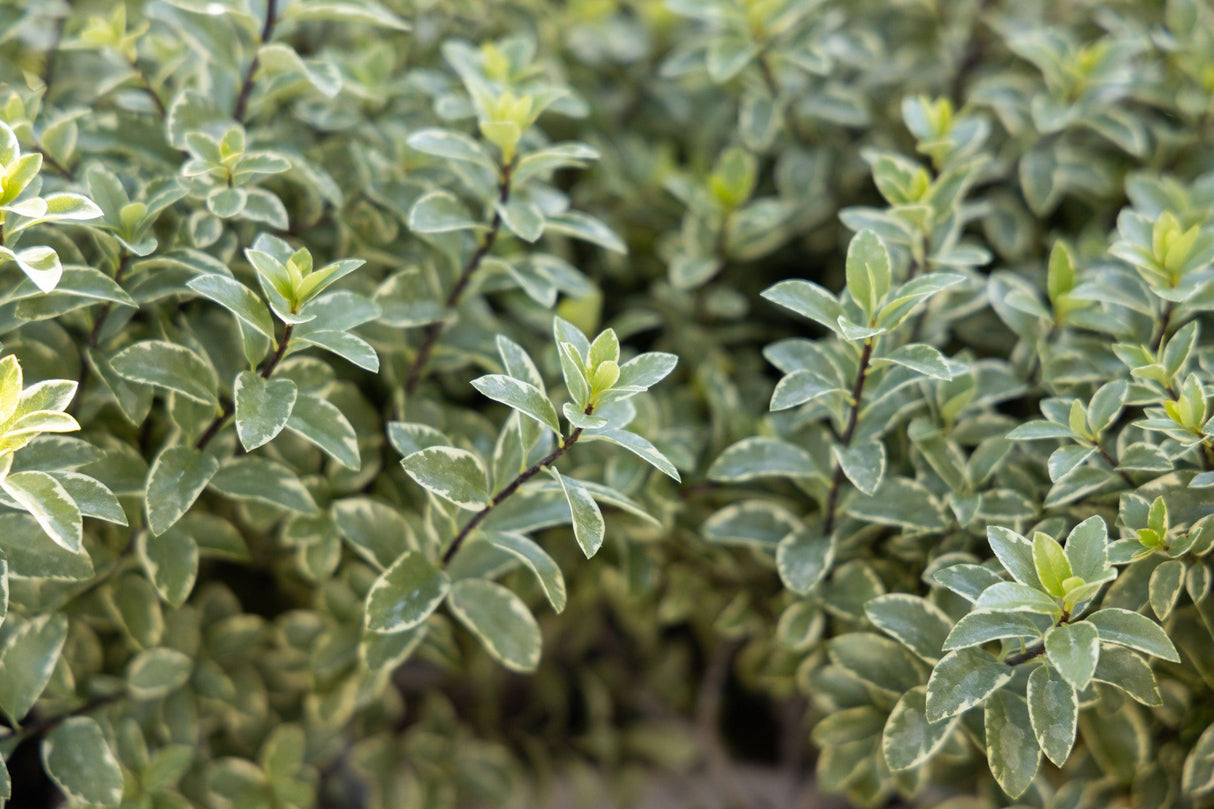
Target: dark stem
1165,323
146,85
853,419
50,160
510,488
435,329
246,85
43,726
769,75
1112,462
1036,650
219,421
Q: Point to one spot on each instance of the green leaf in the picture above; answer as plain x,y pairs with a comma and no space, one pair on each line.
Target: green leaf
967,581
449,144
522,396
263,481
175,479
863,464
588,524
170,367
349,347
1166,584
27,660
1009,596
803,558
916,623
537,560
580,226
92,497
1121,668
868,271
80,762
170,562
646,370
155,673
32,554
237,299
1039,429
11,384
499,620
761,457
877,661
323,425
522,219
1198,777
728,55
1012,749
1015,553
369,12
909,740
573,369
1053,712
375,531
1086,549
262,408
1134,631
440,212
978,628
900,502
808,300
963,679
1073,650
453,474
1051,563
801,387
637,445
921,358
406,593
49,503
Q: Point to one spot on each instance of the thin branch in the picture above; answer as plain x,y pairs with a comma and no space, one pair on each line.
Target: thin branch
769,75
50,160
435,329
229,410
1037,649
246,84
1034,651
510,488
44,726
145,84
853,419
1164,323
1112,462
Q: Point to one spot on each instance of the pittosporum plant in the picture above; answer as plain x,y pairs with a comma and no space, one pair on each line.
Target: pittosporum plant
864,346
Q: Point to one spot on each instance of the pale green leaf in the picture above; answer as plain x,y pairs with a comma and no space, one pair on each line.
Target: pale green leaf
453,474
1054,713
499,620
406,593
79,760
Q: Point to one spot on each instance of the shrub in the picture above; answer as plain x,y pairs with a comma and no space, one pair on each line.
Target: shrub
860,344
